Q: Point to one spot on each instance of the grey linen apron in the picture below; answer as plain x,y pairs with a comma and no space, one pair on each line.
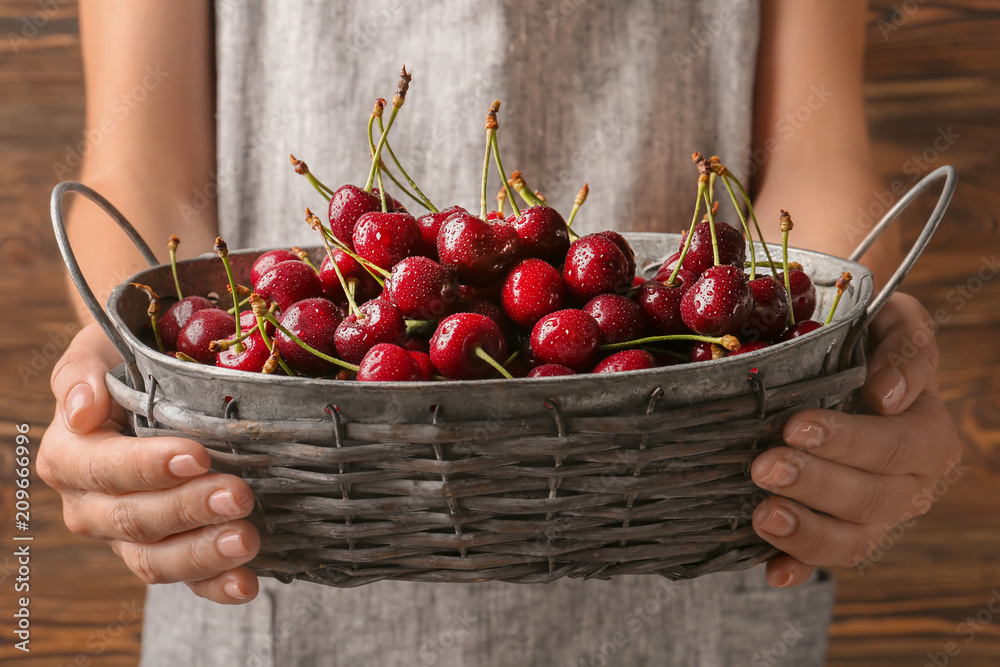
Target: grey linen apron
614,93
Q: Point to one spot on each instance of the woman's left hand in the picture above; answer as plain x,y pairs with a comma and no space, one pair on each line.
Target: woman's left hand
847,485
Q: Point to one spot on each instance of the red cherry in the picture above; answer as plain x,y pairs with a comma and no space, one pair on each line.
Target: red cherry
253,357
389,363
454,345
266,260
624,246
595,265
248,321
314,321
718,303
542,233
626,360
533,289
382,323
550,370
701,351
567,337
348,204
619,318
661,304
288,282
202,328
391,202
384,239
732,247
479,252
769,316
416,344
366,288
752,346
667,268
490,310
423,359
422,289
803,293
430,225
800,329
178,315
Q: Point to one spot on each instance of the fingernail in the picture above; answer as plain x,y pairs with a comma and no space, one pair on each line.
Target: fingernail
79,398
231,545
224,503
809,435
785,581
782,474
233,590
779,524
889,386
185,465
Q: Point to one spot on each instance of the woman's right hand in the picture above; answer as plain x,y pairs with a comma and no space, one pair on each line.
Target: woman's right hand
152,499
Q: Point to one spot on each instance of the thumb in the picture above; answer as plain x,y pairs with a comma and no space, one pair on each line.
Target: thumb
78,380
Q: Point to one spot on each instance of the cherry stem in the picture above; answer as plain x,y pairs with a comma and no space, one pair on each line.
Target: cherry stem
415,326
690,234
786,226
303,169
481,353
486,173
511,358
172,244
268,343
381,188
746,229
267,315
491,119
316,224
224,344
242,302
727,177
304,256
420,197
271,365
374,270
578,201
153,311
731,343
711,221
501,198
517,182
377,113
842,283
183,357
223,251
397,103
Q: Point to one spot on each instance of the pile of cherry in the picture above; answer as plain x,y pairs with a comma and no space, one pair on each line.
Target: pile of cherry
453,295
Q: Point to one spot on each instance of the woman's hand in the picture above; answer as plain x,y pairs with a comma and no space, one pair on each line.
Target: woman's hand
862,474
152,499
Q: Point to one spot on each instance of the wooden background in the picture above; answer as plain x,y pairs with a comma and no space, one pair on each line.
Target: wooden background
933,67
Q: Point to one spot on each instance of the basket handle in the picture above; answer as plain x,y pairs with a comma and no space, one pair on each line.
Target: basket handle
946,172
87,294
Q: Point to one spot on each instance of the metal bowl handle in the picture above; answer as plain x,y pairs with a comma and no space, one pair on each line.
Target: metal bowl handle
87,294
946,172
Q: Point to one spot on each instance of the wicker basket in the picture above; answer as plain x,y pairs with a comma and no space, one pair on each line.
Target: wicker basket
516,480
